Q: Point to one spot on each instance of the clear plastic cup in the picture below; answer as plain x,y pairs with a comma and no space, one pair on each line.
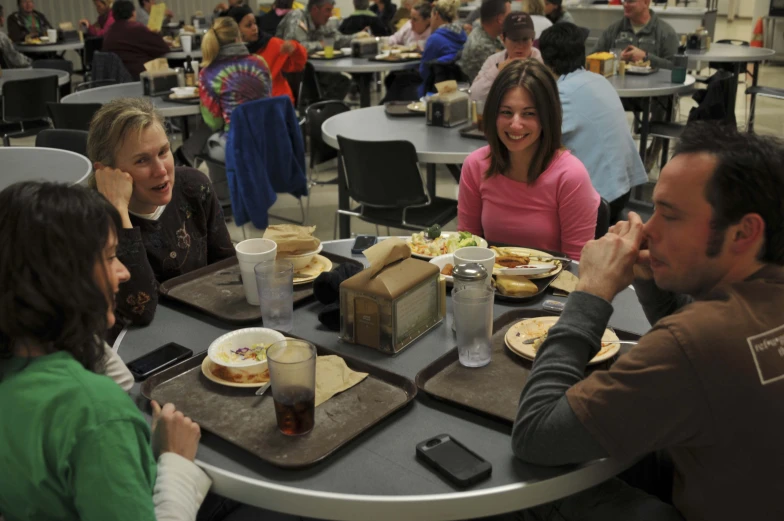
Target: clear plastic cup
275,283
329,48
473,310
292,368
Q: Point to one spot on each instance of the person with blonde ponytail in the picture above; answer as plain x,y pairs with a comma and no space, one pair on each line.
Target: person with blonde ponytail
230,76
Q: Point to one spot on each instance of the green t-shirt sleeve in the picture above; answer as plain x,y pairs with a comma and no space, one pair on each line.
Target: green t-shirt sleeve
113,473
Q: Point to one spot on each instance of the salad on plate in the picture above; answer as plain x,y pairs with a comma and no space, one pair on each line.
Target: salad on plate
432,242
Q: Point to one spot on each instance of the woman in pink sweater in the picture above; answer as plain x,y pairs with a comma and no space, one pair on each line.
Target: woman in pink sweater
525,188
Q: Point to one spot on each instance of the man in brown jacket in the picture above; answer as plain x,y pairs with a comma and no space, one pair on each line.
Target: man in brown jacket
132,41
706,383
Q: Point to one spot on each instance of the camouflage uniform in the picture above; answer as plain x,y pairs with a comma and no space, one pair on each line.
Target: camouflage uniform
479,47
298,25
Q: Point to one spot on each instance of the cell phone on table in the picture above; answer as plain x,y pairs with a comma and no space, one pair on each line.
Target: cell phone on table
362,243
165,356
453,460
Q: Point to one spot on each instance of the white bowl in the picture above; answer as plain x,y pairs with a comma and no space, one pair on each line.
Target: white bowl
300,260
243,372
183,92
346,51
443,260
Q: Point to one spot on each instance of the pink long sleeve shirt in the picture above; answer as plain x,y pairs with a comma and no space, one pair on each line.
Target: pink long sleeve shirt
558,212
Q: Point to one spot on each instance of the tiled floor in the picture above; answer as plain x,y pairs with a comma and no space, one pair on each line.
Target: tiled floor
323,199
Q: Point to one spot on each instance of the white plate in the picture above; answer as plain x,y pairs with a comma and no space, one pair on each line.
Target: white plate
207,368
417,106
318,265
514,250
479,242
536,327
443,260
532,268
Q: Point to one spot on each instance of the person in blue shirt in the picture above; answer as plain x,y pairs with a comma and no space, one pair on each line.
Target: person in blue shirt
594,123
447,40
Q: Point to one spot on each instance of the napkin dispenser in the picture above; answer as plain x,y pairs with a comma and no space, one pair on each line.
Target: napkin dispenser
70,35
158,83
364,47
699,40
388,311
448,110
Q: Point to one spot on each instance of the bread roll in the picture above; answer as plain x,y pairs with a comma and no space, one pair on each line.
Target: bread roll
515,286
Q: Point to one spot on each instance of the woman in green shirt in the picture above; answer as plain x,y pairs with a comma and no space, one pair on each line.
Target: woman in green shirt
75,446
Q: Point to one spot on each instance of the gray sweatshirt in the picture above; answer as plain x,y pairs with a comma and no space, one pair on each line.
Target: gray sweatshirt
658,38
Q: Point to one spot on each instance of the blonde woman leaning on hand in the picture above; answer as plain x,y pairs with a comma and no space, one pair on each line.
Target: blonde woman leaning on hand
230,76
171,221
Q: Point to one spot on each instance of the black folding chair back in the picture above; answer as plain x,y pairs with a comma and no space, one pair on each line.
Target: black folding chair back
315,116
309,90
60,65
91,45
74,116
24,101
384,178
72,140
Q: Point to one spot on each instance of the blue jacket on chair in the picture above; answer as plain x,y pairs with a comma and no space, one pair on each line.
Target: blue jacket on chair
264,156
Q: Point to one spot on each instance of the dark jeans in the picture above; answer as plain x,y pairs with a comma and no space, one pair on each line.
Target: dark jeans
334,86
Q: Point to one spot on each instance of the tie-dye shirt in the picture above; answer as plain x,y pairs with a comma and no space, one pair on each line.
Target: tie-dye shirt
228,82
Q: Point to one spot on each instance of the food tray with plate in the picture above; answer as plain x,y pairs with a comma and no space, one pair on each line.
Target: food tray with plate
319,55
473,132
248,421
442,239
217,289
641,71
399,109
542,281
493,390
193,100
407,59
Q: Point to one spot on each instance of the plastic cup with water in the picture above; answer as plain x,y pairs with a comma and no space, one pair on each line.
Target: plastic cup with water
275,283
473,310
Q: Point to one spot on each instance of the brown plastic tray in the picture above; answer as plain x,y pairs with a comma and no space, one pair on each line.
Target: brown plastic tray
217,290
248,421
493,390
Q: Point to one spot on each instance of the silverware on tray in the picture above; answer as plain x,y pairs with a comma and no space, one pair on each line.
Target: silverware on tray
263,389
628,342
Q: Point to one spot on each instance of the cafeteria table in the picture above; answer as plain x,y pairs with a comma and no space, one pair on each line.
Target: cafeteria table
362,69
42,164
109,93
182,55
738,56
63,77
45,48
376,475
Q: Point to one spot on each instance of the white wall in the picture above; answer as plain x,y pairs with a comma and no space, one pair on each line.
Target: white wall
745,8
73,10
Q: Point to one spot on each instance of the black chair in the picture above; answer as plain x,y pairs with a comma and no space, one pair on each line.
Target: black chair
712,106
602,219
86,85
74,116
60,65
442,72
315,116
384,178
91,46
72,140
765,92
24,102
309,91
109,66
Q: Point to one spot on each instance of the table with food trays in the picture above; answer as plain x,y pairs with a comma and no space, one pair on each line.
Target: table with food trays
372,474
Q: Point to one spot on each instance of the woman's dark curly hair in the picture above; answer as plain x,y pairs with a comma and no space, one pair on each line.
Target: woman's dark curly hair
53,235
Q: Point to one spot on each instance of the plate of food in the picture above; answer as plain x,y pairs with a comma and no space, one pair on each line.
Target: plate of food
642,67
322,55
417,106
536,329
508,258
433,242
240,357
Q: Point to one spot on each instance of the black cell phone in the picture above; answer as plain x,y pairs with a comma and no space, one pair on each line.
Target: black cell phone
453,460
165,356
362,243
